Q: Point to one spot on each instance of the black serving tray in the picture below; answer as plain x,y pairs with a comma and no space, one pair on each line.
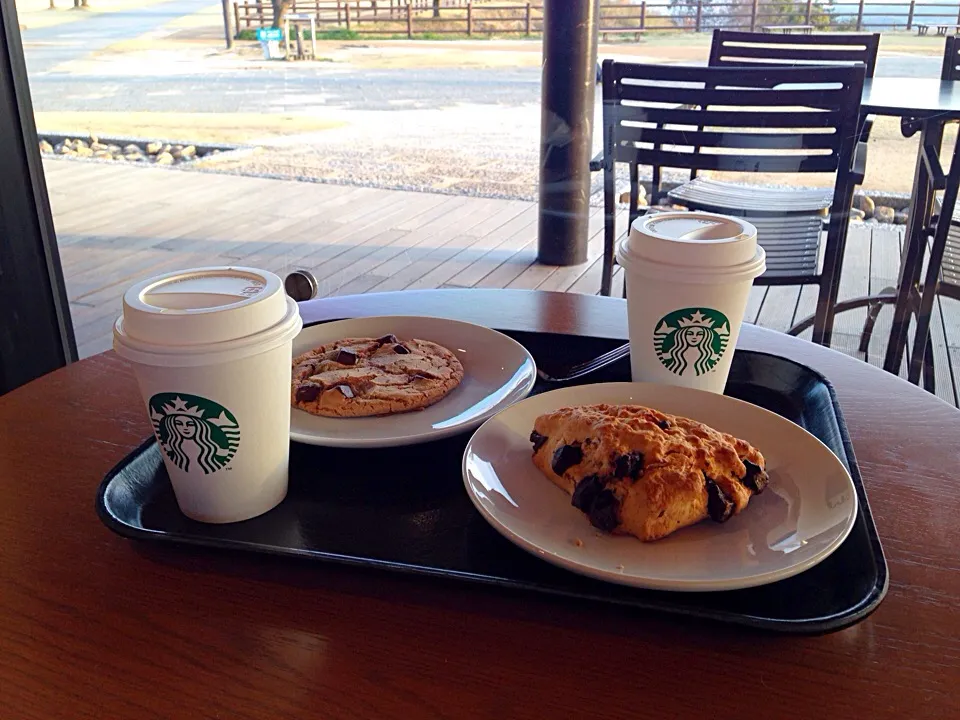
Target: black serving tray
416,518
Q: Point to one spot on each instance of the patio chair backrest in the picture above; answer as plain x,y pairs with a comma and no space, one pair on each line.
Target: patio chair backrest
731,119
746,49
951,59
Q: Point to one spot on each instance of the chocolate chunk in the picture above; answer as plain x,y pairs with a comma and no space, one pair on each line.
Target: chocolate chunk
605,511
719,506
424,375
386,339
629,465
756,479
400,349
565,457
538,440
346,390
586,492
308,392
346,357
598,502
664,425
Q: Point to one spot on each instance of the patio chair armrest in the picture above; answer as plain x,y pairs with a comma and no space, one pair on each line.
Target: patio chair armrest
596,165
866,128
858,168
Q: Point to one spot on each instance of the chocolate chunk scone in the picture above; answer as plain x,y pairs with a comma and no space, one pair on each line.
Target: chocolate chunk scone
357,377
638,471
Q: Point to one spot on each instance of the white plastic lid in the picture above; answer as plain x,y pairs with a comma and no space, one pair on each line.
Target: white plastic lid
202,306
694,244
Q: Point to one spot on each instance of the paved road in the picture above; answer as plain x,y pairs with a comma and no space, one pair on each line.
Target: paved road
305,89
47,47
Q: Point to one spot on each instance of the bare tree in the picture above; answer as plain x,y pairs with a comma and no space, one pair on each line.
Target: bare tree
280,8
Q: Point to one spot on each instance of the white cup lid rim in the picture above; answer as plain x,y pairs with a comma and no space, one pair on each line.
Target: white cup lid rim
238,286
695,227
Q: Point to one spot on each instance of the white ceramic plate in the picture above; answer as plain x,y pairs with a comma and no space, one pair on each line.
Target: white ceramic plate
498,371
804,514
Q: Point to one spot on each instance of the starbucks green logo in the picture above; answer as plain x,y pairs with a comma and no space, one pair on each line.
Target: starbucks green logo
194,432
691,338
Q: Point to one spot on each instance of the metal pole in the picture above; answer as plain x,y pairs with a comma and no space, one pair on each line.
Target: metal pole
913,5
860,16
566,128
226,23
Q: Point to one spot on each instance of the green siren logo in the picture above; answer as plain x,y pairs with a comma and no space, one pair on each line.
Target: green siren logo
692,337
194,432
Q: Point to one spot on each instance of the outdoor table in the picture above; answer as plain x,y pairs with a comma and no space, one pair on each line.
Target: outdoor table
924,104
95,626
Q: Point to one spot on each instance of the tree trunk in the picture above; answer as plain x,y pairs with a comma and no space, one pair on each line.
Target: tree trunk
436,8
280,8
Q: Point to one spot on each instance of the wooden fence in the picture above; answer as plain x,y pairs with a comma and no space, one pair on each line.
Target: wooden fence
467,17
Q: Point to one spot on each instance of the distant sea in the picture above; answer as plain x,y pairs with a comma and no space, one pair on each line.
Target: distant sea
893,16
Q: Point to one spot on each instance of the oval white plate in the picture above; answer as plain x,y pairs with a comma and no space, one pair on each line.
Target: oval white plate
804,514
497,372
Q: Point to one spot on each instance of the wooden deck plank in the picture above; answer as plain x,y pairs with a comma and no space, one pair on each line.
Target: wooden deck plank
533,275
410,266
459,246
323,257
562,278
854,282
418,244
443,275
946,388
779,307
386,260
754,303
525,257
589,281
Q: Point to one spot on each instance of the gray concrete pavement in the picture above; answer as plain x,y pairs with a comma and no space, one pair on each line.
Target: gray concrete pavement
50,46
288,88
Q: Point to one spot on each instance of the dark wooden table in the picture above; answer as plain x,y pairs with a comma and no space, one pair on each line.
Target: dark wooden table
94,626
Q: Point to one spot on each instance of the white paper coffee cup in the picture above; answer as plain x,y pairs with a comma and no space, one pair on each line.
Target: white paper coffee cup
212,350
688,276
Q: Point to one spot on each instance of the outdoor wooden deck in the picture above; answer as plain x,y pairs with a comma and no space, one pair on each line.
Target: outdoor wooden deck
117,223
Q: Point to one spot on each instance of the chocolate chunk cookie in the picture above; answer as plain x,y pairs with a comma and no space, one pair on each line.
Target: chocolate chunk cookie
638,471
358,377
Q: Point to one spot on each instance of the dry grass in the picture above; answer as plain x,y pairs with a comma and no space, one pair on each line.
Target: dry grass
236,128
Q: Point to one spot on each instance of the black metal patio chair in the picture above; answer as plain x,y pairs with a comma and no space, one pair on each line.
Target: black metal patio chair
909,301
943,266
731,48
749,120
745,49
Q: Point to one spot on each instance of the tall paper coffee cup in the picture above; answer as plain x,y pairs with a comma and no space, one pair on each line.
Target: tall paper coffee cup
688,276
212,349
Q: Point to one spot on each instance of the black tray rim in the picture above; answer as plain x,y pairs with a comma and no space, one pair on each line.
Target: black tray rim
825,624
